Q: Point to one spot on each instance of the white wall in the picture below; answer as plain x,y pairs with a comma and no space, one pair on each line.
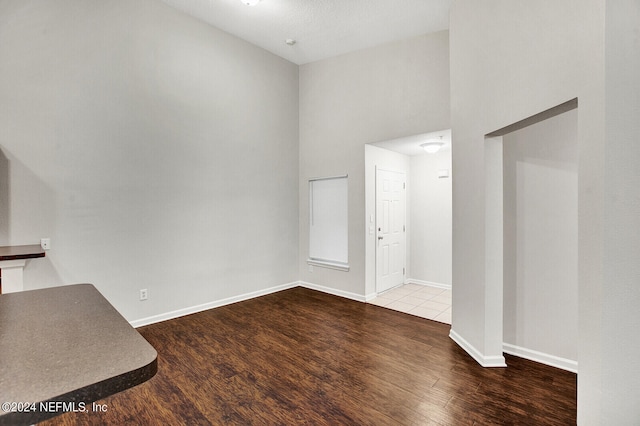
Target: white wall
620,339
347,101
430,218
510,60
154,150
541,240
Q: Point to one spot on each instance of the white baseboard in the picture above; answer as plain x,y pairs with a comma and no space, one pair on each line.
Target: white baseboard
369,297
217,303
542,358
499,361
427,283
335,292
210,305
485,361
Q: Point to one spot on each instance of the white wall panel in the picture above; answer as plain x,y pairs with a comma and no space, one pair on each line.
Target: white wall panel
154,150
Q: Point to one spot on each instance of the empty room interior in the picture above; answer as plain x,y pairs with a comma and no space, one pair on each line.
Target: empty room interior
319,212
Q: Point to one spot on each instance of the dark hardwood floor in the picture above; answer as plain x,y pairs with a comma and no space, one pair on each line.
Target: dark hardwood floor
304,357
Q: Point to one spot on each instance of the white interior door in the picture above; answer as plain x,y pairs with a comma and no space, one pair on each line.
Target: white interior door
390,229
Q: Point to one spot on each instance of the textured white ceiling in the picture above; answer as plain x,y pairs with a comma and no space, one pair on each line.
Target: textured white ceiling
321,28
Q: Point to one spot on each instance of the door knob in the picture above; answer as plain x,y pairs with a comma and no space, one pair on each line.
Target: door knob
380,237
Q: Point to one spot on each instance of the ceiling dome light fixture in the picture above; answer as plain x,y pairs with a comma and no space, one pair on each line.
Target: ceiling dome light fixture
250,2
433,145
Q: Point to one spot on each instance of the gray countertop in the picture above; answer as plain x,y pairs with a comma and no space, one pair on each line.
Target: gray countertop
65,344
21,252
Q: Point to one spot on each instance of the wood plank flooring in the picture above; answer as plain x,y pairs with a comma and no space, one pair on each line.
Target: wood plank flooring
305,357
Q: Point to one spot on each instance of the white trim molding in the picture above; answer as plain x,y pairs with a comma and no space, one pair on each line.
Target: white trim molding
218,303
427,283
210,305
369,297
485,361
333,291
327,264
541,357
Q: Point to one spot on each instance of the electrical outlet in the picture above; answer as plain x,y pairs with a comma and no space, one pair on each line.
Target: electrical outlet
45,243
144,294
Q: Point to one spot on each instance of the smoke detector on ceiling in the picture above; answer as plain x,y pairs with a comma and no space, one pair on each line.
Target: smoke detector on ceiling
250,2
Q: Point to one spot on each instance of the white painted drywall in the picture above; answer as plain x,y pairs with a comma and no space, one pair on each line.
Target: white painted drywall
513,59
386,92
430,217
154,150
541,237
509,61
620,341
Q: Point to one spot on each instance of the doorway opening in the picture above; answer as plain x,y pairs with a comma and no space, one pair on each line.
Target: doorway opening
532,237
427,227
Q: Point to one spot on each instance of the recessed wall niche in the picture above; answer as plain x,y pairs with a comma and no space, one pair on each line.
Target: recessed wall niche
532,234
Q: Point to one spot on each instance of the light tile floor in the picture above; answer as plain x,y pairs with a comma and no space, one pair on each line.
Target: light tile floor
424,301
